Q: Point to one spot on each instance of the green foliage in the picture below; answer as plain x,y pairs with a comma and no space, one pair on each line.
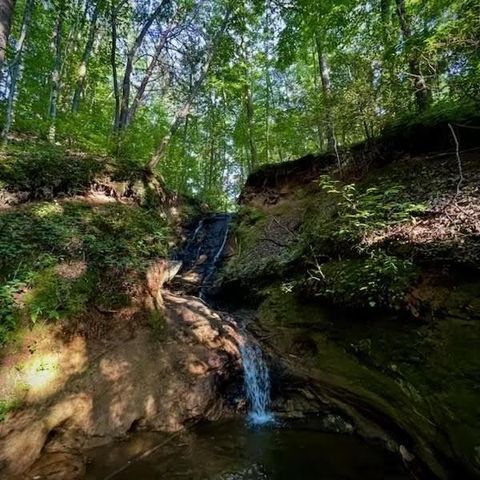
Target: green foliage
55,257
376,281
54,297
7,406
8,309
264,98
360,211
44,170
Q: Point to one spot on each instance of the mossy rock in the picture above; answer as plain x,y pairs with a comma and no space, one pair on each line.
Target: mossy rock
420,379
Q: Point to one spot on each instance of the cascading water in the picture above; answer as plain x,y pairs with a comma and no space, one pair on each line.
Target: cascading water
202,254
257,383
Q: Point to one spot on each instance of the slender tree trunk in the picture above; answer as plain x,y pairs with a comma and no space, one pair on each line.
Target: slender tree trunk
268,87
268,80
251,127
6,13
327,93
113,61
388,56
16,67
318,113
182,113
55,82
82,71
138,99
211,134
127,77
421,91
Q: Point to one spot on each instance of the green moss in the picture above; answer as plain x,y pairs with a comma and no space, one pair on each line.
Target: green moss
156,320
421,377
246,265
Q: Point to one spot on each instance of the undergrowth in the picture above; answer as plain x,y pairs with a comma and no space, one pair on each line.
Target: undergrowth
55,257
44,170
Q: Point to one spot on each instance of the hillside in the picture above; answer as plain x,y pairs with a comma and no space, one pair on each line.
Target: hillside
365,282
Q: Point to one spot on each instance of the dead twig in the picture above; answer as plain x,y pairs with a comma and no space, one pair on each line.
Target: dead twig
142,455
279,244
459,160
288,230
318,269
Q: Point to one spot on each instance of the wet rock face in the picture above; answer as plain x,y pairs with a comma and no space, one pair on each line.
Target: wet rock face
202,254
377,377
155,379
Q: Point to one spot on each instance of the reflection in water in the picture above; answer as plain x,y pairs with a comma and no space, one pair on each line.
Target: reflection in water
235,451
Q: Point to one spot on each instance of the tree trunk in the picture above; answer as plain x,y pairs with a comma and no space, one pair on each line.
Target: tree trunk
251,127
6,13
82,71
318,113
268,80
137,101
185,108
113,61
127,81
55,82
421,91
327,93
16,67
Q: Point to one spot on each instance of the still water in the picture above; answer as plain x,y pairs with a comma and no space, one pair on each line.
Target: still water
234,450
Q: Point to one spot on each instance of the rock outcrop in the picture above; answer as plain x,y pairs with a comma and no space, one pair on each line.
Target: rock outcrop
370,312
157,370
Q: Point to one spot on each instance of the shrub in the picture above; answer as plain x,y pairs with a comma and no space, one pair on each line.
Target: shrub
378,280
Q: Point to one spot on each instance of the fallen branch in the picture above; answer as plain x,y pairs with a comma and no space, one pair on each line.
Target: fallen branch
459,160
142,455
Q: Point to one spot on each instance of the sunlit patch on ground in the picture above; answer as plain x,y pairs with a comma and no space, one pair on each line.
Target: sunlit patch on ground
40,372
41,367
45,210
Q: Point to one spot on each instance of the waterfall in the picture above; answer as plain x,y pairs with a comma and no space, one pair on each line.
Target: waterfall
208,241
218,254
222,246
257,383
197,230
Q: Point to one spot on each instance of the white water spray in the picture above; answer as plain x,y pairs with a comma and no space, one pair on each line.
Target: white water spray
257,383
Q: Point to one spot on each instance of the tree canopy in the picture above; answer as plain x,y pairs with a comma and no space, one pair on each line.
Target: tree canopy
205,91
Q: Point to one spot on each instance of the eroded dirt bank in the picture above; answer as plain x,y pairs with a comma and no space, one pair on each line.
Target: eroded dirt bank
365,283
116,372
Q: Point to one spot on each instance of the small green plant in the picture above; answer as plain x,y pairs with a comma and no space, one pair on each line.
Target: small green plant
377,280
7,406
54,297
156,320
374,208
